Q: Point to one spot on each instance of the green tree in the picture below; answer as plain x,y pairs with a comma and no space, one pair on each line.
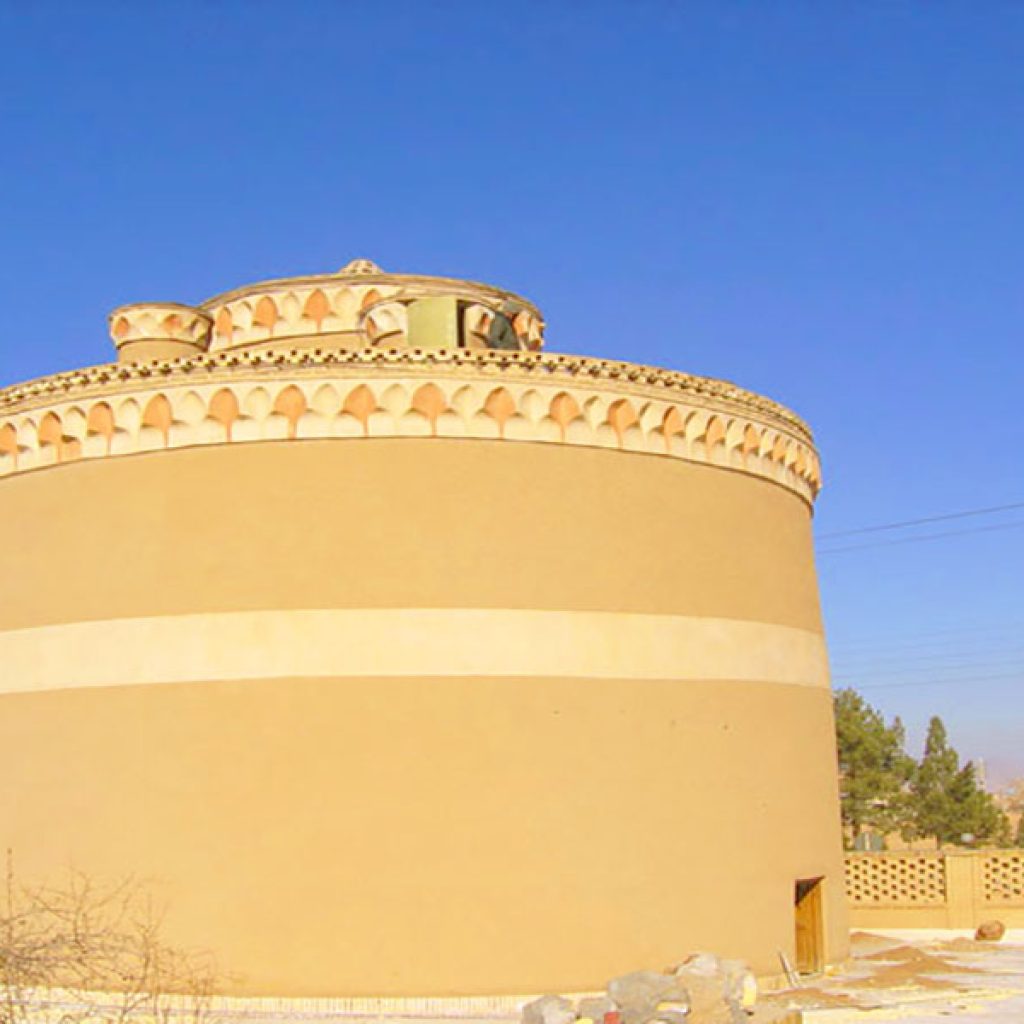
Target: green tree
931,799
873,766
975,812
945,799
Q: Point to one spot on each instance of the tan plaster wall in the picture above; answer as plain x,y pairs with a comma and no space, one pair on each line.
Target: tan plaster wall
444,835
156,349
401,523
438,836
948,889
883,918
407,642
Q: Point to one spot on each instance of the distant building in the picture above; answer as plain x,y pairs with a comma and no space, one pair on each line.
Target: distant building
409,659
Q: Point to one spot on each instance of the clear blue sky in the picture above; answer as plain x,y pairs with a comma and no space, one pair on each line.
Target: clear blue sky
823,202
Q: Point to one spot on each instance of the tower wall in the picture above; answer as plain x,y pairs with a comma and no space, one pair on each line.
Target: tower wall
397,713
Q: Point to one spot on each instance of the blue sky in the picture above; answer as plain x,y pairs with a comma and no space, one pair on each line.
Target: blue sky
820,201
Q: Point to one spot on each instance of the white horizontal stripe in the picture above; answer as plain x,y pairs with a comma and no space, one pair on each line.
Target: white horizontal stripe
406,642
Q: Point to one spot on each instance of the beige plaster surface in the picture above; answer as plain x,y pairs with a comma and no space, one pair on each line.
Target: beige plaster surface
154,349
407,642
438,836
401,523
456,833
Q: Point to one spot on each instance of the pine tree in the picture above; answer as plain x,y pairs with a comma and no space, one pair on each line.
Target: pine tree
931,801
873,766
945,799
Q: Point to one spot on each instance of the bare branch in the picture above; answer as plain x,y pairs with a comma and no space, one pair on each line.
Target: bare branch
83,953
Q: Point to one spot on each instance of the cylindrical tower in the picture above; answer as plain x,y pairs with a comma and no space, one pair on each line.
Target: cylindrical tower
412,660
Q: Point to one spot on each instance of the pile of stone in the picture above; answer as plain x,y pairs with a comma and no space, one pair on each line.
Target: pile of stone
702,990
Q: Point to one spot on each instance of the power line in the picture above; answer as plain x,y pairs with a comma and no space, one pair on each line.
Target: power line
1000,661
951,658
955,673
919,540
925,519
930,637
951,647
937,682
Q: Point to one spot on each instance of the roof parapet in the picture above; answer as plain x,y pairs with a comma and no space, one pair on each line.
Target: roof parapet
147,331
358,307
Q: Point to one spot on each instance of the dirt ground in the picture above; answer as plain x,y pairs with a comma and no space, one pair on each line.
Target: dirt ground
915,978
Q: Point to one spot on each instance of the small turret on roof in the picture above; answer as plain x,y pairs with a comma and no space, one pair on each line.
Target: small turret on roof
357,307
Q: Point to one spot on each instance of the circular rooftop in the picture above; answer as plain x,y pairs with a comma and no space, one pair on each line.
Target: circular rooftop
365,353
357,307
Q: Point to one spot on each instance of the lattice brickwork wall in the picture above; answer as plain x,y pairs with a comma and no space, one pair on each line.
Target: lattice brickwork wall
918,880
1002,878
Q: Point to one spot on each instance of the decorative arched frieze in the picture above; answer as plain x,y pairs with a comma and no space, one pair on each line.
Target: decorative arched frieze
283,395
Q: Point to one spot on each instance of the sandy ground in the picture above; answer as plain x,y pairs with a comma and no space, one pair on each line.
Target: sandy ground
917,978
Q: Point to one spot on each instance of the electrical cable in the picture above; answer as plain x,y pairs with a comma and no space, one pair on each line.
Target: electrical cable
936,682
925,519
924,653
956,673
970,659
957,667
919,540
935,638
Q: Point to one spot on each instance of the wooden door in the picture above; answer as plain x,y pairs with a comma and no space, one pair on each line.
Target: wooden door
810,937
